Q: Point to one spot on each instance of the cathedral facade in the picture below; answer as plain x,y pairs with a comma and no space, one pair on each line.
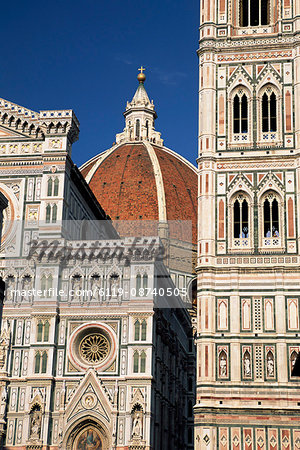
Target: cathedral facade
89,357
248,239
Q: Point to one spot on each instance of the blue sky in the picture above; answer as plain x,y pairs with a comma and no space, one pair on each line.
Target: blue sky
84,55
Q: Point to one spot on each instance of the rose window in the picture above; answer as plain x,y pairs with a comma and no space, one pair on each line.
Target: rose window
92,345
94,348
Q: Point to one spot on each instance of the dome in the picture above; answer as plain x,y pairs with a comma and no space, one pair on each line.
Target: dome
139,178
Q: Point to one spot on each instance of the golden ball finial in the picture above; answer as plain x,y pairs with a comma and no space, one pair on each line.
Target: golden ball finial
141,76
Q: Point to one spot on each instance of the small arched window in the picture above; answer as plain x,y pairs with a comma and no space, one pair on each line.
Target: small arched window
50,284
48,213
137,327
269,111
240,218
137,128
44,362
138,283
43,284
240,113
254,13
37,362
293,359
144,330
56,186
46,331
54,213
136,358
145,282
49,189
271,217
40,331
143,362
147,128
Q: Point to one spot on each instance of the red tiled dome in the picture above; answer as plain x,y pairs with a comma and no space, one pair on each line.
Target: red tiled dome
134,181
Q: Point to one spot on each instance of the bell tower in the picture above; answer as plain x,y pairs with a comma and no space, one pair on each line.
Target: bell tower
248,318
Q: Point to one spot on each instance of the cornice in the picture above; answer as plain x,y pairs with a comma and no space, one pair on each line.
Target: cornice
262,43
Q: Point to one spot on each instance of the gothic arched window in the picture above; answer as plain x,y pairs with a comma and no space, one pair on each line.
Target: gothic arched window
145,282
138,283
269,111
40,331
143,362
138,128
241,218
56,186
136,358
271,217
37,362
46,331
144,330
240,113
49,189
254,13
44,362
48,213
54,213
293,359
137,330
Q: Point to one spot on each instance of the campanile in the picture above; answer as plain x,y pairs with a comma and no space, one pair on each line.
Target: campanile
248,240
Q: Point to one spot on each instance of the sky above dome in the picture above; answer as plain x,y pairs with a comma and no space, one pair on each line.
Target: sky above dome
84,55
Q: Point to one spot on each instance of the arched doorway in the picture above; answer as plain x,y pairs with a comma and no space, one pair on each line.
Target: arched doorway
88,439
87,435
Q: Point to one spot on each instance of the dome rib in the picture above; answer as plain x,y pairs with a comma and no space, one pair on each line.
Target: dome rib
161,198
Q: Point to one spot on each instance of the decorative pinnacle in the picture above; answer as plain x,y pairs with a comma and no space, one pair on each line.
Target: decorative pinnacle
141,76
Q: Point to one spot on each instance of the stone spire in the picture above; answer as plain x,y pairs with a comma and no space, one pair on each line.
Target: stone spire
140,116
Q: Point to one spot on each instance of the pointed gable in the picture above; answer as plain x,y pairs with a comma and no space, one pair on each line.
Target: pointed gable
90,397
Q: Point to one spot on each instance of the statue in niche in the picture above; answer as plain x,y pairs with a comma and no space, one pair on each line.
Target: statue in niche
223,364
35,422
247,365
3,400
114,285
10,286
27,286
95,287
270,364
4,343
76,286
137,423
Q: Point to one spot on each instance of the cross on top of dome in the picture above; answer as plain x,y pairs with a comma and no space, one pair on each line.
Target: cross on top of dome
141,76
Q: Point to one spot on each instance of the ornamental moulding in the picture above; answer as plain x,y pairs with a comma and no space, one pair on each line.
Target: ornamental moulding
254,166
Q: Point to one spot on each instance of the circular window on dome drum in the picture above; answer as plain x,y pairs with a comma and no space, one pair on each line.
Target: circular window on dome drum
92,345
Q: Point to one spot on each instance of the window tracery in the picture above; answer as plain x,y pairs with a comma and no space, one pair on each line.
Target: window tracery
240,218
52,187
46,285
139,362
40,362
255,13
141,285
240,117
140,330
43,329
271,220
51,213
94,348
240,113
269,116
